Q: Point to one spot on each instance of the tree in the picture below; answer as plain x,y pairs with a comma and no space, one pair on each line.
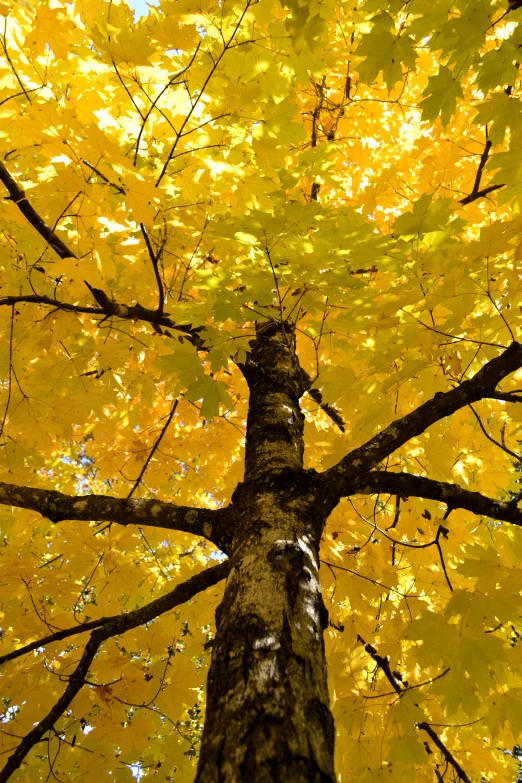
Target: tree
260,307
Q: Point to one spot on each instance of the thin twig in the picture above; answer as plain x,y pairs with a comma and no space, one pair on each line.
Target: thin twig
9,377
7,57
201,92
368,579
476,193
154,257
172,81
491,439
154,447
383,664
119,188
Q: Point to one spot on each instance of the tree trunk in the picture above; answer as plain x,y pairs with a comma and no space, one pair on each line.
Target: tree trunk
268,716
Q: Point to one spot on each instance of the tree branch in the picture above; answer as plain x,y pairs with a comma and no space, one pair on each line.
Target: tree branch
450,758
505,396
154,257
111,308
476,192
480,194
370,454
119,188
100,508
115,626
383,664
154,448
406,485
17,195
317,397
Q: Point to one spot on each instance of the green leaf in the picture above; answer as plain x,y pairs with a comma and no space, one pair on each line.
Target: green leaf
426,217
440,96
386,52
212,393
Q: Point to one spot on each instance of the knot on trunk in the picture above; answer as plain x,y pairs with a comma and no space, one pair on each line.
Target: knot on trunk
288,556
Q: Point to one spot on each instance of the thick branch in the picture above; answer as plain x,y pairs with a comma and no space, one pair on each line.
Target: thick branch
505,396
101,508
17,194
370,454
108,308
115,626
452,495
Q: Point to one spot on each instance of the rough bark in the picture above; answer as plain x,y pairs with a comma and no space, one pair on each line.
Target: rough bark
268,716
100,508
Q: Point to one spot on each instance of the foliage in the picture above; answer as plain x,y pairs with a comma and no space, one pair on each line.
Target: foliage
355,167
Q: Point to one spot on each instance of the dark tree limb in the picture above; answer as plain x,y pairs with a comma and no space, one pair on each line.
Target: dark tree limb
113,627
505,396
383,664
56,637
449,757
476,193
480,194
317,397
452,495
17,195
370,454
212,575
108,307
100,508
154,448
154,257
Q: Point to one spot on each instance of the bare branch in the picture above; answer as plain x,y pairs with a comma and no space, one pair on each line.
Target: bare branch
108,307
383,664
17,195
406,485
371,453
115,626
154,448
154,257
119,188
476,193
480,194
450,758
100,508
